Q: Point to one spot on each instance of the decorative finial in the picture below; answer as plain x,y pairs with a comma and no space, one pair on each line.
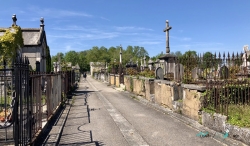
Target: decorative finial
14,19
42,22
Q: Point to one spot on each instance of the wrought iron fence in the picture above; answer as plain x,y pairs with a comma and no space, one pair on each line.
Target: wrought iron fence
28,100
225,76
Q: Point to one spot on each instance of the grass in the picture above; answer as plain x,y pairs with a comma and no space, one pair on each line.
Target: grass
239,115
210,109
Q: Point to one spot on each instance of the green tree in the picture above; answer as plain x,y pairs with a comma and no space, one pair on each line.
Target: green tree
71,56
177,53
58,57
83,63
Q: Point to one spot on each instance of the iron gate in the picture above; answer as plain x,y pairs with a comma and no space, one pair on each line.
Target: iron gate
16,103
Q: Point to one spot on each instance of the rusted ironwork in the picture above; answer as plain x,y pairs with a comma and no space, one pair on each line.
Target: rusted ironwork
28,100
226,77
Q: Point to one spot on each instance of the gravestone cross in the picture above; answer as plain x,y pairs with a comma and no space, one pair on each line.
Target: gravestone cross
167,36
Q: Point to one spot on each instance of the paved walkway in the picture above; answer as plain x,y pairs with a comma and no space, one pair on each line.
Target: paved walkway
101,115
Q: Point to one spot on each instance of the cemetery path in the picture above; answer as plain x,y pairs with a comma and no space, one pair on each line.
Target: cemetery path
101,115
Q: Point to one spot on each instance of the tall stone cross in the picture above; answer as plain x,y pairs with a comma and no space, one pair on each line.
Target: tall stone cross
167,36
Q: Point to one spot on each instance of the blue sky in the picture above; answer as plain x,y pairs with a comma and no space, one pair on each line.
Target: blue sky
207,25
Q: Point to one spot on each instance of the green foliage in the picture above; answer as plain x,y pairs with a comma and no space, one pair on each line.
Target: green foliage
147,73
131,71
72,57
177,53
56,58
189,61
239,115
102,54
10,42
216,100
154,58
131,84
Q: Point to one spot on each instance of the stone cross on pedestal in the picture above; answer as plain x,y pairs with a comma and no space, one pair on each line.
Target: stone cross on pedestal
167,36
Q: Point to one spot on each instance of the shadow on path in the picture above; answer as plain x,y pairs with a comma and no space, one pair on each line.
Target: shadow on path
79,116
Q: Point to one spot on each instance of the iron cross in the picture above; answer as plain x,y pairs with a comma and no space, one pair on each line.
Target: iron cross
167,36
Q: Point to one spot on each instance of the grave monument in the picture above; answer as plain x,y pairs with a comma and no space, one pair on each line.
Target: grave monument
168,59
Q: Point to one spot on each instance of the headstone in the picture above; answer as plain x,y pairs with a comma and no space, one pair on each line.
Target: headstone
179,71
159,73
196,72
224,72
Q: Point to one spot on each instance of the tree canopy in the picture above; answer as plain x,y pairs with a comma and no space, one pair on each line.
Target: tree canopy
101,54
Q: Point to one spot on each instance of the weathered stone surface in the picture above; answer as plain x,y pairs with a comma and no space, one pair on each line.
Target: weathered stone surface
167,95
117,81
191,103
149,88
194,87
218,123
112,79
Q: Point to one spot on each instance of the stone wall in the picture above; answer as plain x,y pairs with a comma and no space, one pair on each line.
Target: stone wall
150,89
117,81
192,100
112,79
164,93
140,86
127,82
218,123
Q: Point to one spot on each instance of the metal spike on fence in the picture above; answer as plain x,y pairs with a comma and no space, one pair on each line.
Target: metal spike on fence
233,56
219,55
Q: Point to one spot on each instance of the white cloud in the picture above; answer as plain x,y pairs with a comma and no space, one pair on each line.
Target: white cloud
132,28
57,13
105,18
186,39
86,36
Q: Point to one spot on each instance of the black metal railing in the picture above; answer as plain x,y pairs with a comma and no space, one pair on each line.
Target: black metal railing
28,100
225,76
